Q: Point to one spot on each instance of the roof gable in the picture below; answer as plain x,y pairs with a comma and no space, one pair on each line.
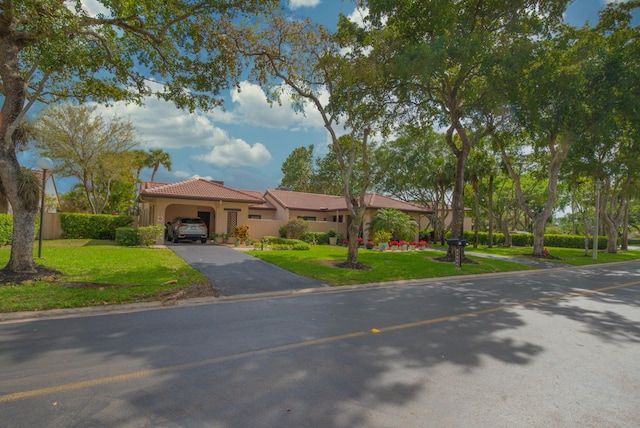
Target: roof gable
197,188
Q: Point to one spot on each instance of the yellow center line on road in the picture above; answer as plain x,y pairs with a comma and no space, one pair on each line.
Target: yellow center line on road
211,361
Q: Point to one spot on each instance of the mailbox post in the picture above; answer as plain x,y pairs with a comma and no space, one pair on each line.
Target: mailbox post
459,244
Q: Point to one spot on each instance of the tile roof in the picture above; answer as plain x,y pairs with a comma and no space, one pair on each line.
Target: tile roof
197,188
319,202
266,205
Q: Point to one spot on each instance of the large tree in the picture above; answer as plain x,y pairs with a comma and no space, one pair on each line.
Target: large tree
418,167
52,50
444,54
341,84
297,170
95,150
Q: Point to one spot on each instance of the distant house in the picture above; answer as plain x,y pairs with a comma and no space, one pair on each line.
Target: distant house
222,207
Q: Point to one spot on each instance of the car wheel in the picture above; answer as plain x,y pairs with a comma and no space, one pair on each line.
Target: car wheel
204,241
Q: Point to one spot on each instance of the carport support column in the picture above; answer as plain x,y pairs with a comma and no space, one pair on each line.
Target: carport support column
159,219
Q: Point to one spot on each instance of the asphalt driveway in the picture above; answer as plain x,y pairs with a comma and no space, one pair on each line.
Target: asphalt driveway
234,272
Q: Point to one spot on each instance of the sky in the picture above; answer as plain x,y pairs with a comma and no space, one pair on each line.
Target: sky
245,144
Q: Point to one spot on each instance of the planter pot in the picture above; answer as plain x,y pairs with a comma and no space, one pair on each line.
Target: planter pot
383,246
333,240
231,240
369,247
405,247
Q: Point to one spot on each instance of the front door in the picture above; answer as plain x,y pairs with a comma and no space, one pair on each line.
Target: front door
206,217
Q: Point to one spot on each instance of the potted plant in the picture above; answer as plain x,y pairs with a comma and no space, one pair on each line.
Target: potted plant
333,236
370,245
382,239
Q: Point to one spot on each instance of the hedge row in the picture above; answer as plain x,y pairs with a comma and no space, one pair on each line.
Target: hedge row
278,243
92,226
131,236
320,238
526,240
6,228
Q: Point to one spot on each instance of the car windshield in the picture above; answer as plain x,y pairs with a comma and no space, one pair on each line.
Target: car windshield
191,221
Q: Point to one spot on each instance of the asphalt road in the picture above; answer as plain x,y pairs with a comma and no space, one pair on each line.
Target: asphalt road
534,349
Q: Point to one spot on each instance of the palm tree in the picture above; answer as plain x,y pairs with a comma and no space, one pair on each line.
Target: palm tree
401,225
156,158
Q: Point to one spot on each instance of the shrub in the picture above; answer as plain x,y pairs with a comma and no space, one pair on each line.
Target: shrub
130,236
302,246
127,236
241,232
294,229
6,228
92,226
149,235
321,238
281,247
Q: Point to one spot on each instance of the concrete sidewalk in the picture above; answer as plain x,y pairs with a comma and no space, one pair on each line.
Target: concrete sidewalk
233,272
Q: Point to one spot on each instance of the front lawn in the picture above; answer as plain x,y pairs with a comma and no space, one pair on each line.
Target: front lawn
99,273
319,263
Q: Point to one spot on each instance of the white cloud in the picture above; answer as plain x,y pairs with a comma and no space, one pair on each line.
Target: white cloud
236,153
295,4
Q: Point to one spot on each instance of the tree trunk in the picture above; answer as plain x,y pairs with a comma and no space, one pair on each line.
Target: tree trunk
476,200
24,211
538,234
490,237
624,246
457,203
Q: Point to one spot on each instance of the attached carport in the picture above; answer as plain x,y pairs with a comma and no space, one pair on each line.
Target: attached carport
219,206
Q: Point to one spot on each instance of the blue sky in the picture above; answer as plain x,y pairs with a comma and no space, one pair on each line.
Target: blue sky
246,144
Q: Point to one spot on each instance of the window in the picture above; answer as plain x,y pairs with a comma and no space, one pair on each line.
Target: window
307,217
338,219
255,216
232,220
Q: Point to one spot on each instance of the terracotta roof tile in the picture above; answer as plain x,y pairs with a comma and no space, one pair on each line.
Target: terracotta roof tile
319,202
197,188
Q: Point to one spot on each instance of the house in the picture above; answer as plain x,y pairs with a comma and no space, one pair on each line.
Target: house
222,207
219,206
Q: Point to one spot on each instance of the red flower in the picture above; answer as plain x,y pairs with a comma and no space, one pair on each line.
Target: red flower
360,240
394,244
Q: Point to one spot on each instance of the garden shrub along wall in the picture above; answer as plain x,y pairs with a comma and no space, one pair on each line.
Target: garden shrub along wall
6,228
92,226
526,240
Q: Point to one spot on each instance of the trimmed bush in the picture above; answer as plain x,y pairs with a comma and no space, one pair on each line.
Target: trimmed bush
92,226
131,236
6,228
294,229
149,235
127,236
320,238
277,243
281,247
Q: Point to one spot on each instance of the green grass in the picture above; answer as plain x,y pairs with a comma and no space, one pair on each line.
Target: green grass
386,266
568,256
116,274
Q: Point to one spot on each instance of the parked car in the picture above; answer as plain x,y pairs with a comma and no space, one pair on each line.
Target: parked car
183,228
